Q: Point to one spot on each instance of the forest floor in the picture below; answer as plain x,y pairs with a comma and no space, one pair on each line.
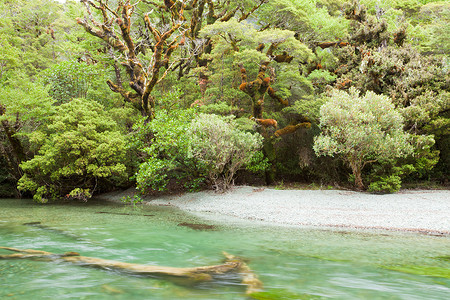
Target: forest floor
419,211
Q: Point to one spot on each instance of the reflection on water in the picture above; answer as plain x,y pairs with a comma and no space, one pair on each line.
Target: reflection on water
292,263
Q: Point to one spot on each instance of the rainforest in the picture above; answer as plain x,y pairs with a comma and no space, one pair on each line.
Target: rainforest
179,96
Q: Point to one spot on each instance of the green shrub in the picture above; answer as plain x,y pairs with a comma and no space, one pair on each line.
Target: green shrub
221,148
192,149
386,184
361,130
80,149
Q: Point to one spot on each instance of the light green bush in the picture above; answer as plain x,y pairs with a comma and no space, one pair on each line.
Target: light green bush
221,148
361,130
386,184
192,149
79,149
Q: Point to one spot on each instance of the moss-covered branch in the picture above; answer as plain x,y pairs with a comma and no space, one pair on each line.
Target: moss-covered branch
184,275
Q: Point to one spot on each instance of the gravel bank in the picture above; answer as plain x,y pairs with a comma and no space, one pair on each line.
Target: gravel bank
416,211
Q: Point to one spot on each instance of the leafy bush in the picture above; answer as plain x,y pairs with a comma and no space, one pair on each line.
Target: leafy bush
387,177
386,184
221,148
320,78
362,130
192,149
80,149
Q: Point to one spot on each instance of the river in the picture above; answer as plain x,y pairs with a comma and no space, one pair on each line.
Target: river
292,263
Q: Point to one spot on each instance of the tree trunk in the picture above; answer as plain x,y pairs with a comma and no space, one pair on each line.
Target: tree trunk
257,106
270,153
179,275
357,170
16,145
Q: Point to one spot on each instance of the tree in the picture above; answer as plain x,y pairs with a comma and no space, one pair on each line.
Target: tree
24,106
78,151
268,64
312,21
361,130
381,54
222,148
146,34
192,150
28,37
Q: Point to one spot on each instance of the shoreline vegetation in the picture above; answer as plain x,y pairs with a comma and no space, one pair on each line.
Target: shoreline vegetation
177,96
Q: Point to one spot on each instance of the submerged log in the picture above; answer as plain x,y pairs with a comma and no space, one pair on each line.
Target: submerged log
248,277
186,275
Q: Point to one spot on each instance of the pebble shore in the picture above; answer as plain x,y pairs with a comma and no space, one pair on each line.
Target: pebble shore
423,211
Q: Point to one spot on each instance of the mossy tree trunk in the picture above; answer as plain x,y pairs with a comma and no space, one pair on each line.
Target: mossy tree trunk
257,89
143,78
113,25
178,275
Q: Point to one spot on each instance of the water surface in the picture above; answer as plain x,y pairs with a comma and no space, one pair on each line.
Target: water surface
292,263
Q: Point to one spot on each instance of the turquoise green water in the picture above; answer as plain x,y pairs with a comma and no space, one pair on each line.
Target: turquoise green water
291,263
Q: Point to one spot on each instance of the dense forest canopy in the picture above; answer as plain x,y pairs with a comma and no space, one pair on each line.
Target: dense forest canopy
97,95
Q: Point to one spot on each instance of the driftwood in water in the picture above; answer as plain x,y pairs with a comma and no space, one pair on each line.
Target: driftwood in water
54,230
198,226
187,275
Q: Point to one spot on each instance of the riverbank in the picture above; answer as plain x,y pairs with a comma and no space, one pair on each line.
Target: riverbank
423,211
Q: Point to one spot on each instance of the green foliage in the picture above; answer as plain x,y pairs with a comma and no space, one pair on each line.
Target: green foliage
361,130
435,25
420,91
76,43
163,145
321,78
42,35
170,99
308,106
386,184
235,30
71,79
24,35
192,149
24,106
78,194
417,84
136,199
258,164
386,177
235,45
310,19
25,101
222,149
424,157
291,84
221,108
78,151
239,35
245,124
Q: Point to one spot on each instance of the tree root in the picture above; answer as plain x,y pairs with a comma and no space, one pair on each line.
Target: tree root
180,275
